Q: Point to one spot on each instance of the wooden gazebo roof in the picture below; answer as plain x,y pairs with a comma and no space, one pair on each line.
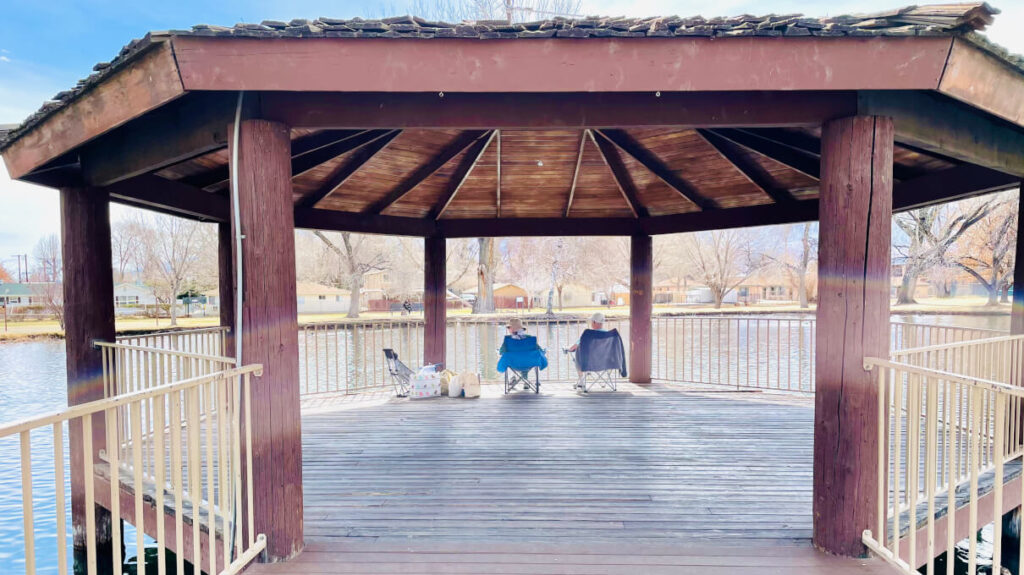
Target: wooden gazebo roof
663,123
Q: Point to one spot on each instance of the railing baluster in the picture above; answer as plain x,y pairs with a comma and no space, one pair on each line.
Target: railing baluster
90,494
115,488
26,503
61,507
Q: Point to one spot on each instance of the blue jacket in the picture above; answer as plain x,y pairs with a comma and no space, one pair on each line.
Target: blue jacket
522,354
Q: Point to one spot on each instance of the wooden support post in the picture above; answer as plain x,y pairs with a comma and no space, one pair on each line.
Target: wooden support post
641,301
853,323
270,331
1017,315
226,284
435,300
88,318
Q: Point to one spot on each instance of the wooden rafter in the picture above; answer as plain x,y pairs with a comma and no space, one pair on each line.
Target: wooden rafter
301,148
454,148
345,171
576,172
462,172
497,195
620,174
309,160
647,159
752,170
800,161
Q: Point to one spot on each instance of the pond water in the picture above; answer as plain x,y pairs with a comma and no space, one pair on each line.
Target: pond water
32,382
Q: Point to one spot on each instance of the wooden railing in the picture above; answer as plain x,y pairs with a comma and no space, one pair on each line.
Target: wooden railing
129,368
202,341
947,445
183,458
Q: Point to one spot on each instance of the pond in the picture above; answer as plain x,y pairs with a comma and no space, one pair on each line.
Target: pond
32,382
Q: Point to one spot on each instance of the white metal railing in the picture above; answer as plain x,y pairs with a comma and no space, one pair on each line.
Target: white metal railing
195,450
947,443
202,341
128,368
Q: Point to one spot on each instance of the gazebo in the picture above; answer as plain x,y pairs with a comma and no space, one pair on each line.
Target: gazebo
626,127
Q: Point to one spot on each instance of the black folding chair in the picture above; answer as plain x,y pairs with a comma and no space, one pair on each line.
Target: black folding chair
400,373
600,360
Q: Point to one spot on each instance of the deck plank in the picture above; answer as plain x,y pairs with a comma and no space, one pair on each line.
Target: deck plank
663,482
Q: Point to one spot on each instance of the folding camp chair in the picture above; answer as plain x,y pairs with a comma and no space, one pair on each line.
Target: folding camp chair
400,373
600,360
521,358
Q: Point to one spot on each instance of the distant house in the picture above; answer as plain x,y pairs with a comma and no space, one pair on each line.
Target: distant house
618,296
506,296
671,290
132,298
18,296
310,297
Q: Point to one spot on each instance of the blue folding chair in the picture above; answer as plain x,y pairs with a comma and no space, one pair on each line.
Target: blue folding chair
520,357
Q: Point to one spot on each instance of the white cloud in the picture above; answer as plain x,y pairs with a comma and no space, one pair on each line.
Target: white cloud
4,59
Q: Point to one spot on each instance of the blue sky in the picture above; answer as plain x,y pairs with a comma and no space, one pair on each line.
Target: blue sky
45,47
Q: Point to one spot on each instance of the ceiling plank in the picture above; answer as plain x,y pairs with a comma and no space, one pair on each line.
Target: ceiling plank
350,167
576,172
620,174
462,171
749,168
497,196
653,163
800,161
312,159
454,148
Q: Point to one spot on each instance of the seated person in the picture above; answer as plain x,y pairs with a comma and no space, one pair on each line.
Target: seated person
596,323
519,350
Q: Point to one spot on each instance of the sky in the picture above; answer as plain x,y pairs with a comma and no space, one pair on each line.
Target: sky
45,47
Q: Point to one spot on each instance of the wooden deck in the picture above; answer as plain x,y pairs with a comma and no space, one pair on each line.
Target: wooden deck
645,480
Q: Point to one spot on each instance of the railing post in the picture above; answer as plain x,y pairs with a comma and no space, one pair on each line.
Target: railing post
88,318
641,301
853,323
226,288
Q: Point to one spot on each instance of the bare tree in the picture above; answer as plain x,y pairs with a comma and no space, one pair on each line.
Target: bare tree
173,248
987,252
357,254
929,234
797,259
52,296
47,254
722,260
484,302
126,241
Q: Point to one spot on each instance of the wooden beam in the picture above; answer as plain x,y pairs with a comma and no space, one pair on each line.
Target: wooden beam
179,131
1017,310
852,323
226,285
560,65
435,300
332,220
628,144
170,197
752,170
540,227
576,172
307,161
976,77
497,191
270,332
88,290
641,302
350,167
454,148
462,172
147,82
763,215
555,111
801,161
939,124
950,185
619,174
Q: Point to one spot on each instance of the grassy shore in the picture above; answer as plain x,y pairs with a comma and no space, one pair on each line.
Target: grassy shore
22,330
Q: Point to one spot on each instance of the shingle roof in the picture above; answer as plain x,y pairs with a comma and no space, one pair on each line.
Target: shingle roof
960,19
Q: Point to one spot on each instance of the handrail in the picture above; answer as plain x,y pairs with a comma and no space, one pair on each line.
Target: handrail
956,345
99,405
175,353
871,362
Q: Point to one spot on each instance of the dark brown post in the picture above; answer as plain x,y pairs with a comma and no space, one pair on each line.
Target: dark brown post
435,293
641,301
88,318
226,284
1017,315
853,323
270,331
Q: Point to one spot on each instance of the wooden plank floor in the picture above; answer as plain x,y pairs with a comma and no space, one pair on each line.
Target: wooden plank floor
640,481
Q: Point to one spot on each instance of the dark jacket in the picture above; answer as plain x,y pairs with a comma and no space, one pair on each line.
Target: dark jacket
601,350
